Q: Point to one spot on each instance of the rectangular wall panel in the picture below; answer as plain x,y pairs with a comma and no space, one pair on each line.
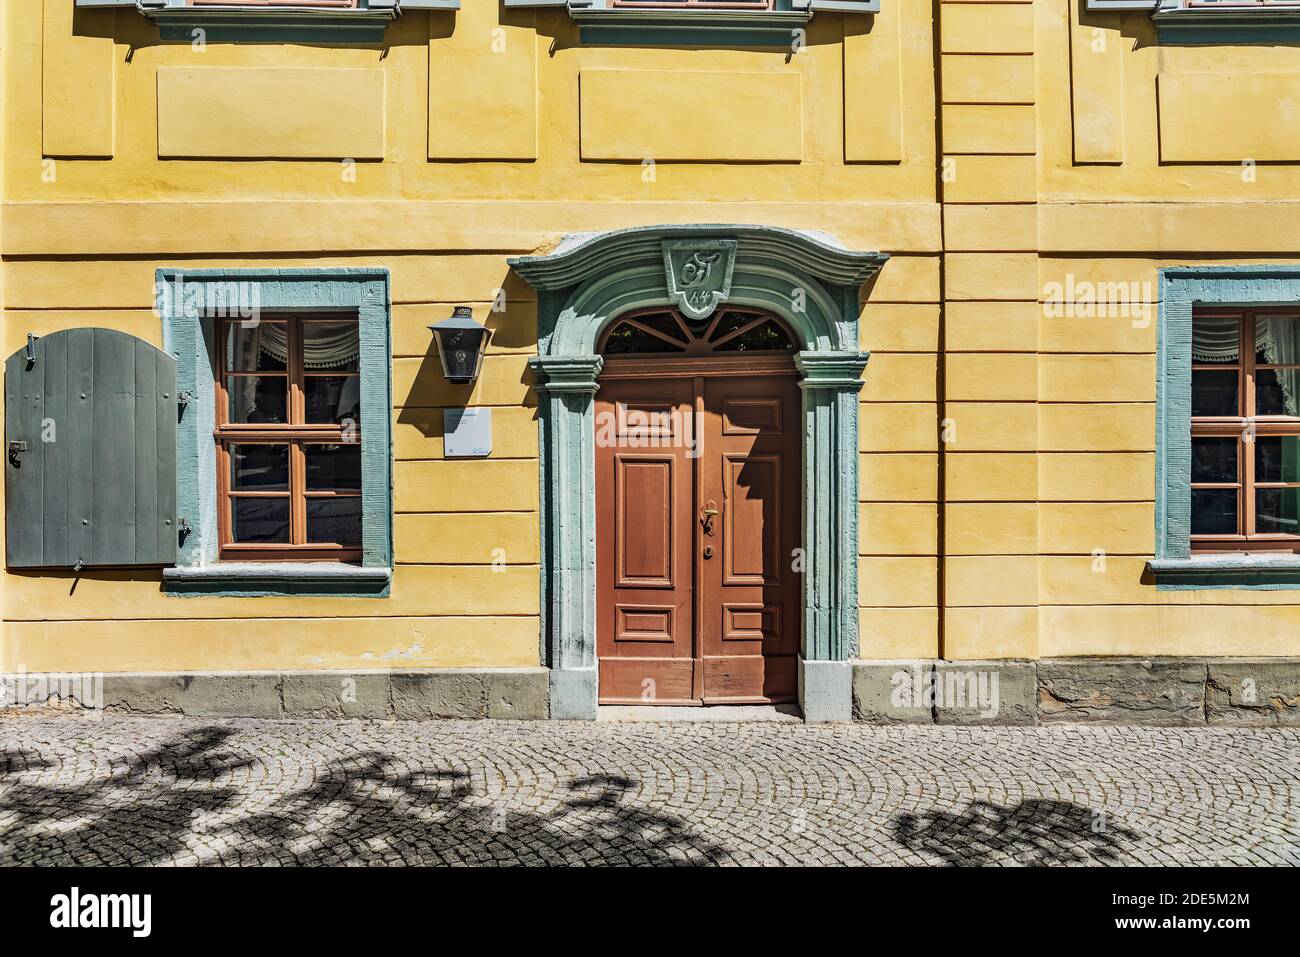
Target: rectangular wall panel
873,91
1228,117
1097,52
705,117
298,114
76,85
483,87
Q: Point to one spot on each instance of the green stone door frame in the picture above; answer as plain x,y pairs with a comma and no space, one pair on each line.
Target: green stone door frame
808,279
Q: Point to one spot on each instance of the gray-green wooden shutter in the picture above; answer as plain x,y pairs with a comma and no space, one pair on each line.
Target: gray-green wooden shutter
90,435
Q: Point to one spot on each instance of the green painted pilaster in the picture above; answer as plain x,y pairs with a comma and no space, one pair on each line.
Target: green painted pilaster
831,383
567,387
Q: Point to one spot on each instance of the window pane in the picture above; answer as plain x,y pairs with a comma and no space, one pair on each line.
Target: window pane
1276,391
259,468
1214,392
333,399
257,398
1277,458
329,346
1277,510
626,339
1214,511
1214,460
260,520
1215,340
662,322
257,347
765,338
336,520
333,468
1277,340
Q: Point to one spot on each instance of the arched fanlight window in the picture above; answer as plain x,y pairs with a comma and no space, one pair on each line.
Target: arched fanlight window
666,331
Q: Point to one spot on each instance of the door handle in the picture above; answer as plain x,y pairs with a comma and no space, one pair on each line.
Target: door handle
706,517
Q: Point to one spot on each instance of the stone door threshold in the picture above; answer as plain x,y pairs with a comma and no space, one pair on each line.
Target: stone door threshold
735,713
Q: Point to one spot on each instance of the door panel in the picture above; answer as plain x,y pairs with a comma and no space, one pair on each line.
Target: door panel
643,526
750,613
644,509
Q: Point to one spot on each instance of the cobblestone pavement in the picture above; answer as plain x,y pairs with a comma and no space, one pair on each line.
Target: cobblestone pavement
184,791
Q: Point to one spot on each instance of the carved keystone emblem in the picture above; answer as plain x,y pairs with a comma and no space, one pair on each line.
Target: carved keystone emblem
699,273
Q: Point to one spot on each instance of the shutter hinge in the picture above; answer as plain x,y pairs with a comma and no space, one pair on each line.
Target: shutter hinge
16,448
184,398
31,349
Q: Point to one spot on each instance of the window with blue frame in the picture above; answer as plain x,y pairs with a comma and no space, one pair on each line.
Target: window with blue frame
283,444
1228,428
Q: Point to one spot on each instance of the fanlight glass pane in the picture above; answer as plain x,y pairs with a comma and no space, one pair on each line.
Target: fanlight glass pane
767,337
627,339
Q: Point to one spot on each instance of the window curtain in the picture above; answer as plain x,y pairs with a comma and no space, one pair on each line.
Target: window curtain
1277,337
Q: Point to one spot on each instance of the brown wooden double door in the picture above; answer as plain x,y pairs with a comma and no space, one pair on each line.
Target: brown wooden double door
698,521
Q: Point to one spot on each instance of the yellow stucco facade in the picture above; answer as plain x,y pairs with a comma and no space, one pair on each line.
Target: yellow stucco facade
1007,455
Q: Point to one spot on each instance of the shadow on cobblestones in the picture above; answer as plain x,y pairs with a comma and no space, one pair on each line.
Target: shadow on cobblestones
1033,832
180,803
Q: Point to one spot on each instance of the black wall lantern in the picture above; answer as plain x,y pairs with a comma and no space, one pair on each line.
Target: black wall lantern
461,344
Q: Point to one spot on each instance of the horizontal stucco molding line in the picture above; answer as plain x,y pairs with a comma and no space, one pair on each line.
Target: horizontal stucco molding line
250,228
1266,228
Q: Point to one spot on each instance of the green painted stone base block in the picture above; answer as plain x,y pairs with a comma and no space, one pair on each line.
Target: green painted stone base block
825,690
574,694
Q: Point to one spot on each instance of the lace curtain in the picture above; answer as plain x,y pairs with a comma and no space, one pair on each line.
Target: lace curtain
1278,338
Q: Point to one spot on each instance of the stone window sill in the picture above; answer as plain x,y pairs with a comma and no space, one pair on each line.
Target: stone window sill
1264,572
1203,26
272,24
714,28
265,579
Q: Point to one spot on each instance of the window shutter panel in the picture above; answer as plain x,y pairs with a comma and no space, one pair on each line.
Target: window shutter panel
95,483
